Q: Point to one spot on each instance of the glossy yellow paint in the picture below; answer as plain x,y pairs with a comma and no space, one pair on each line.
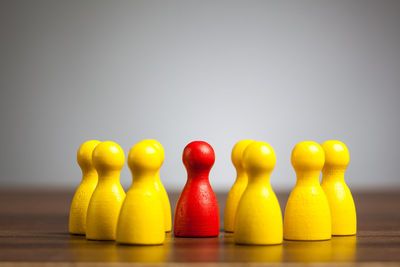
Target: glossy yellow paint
343,211
259,217
161,190
238,187
80,202
307,213
141,221
107,198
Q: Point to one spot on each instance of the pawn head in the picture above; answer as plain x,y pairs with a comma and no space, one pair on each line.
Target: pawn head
308,156
237,153
198,156
158,145
147,155
108,156
336,154
259,157
84,155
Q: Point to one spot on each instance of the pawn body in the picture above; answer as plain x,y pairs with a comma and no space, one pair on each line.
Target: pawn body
196,212
259,217
141,221
165,203
163,193
107,198
238,187
343,211
80,202
307,213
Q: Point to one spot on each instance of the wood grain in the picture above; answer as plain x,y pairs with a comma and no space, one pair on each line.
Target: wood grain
34,229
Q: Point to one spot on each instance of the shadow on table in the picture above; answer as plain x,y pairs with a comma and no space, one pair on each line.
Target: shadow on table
242,253
338,249
222,249
82,250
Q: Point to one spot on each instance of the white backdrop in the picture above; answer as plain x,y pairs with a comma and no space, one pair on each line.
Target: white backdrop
217,71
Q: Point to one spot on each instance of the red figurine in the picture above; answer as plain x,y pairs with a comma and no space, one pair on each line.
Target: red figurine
196,213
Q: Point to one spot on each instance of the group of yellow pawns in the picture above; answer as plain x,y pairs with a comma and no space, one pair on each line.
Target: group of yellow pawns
314,211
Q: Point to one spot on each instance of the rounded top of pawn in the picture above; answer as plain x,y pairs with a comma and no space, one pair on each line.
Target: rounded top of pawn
198,156
336,154
259,157
308,156
157,144
108,156
84,155
147,155
237,153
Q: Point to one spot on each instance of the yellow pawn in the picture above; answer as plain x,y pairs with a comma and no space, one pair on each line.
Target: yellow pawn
141,221
343,211
238,187
80,202
307,214
163,194
258,218
107,198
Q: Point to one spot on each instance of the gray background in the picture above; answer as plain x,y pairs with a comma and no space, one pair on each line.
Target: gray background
178,71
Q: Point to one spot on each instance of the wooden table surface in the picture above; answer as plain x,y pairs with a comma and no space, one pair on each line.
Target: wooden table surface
34,230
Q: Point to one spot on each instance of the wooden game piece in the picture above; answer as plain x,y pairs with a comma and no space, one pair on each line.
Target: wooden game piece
163,193
80,201
307,214
343,211
196,213
107,198
238,187
141,221
259,217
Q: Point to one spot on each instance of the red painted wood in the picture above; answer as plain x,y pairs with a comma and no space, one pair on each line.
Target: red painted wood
196,213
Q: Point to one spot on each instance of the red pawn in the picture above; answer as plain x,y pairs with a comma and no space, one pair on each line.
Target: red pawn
196,213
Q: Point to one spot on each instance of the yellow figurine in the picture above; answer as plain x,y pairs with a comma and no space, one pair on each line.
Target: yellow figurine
258,218
107,198
163,194
141,221
307,214
238,187
80,202
343,211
